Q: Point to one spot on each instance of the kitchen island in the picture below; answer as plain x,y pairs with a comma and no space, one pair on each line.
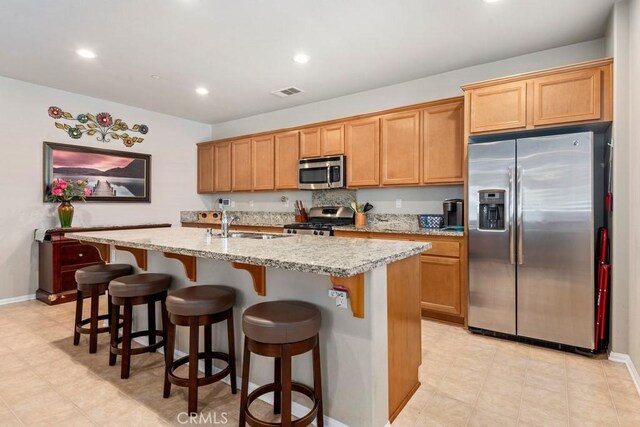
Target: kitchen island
370,353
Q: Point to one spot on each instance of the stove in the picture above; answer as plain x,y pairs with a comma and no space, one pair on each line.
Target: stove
321,221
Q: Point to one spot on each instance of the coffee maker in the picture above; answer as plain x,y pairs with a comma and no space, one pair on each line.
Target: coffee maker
453,210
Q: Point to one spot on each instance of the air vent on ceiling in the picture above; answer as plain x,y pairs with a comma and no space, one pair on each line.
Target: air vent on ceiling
283,93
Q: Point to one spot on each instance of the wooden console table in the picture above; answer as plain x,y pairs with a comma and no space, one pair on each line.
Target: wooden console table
59,258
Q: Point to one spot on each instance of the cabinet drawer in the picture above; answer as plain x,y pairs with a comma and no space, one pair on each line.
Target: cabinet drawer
78,254
450,249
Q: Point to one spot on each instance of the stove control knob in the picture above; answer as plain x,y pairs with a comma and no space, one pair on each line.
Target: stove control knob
321,233
295,231
315,232
288,231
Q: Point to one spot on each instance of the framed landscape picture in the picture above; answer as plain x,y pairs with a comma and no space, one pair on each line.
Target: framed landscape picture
113,176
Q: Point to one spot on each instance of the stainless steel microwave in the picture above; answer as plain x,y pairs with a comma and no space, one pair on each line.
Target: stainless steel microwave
321,173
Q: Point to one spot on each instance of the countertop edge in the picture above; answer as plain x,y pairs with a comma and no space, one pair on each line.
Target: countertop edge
287,265
350,228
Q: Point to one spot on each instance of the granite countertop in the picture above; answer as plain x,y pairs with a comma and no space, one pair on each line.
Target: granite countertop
336,256
40,234
381,228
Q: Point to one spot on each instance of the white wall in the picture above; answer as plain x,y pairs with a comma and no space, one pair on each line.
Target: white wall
634,179
430,88
415,200
617,42
24,125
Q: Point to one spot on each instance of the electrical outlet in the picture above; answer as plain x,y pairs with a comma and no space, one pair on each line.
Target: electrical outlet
398,203
342,300
233,204
250,203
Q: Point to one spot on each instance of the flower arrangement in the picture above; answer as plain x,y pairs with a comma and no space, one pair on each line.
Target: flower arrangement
68,190
101,124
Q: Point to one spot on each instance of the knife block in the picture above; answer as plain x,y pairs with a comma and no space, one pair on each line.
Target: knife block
302,217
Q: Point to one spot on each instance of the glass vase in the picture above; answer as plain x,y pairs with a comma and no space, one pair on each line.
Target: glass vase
65,213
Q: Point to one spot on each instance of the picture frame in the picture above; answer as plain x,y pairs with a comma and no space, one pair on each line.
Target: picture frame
114,176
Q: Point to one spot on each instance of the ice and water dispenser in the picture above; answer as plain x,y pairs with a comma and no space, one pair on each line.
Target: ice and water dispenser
491,211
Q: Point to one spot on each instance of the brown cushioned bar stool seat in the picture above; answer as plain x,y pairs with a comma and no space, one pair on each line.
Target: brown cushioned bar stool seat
127,291
93,281
281,329
195,306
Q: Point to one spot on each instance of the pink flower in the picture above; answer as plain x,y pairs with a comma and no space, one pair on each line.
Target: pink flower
62,183
104,119
87,191
57,191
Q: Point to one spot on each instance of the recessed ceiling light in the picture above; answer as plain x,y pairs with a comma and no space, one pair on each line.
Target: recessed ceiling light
202,91
155,76
301,58
86,53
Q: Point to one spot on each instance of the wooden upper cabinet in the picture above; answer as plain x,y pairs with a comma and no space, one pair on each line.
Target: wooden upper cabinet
443,143
262,163
572,94
498,107
310,143
322,141
400,148
567,97
286,161
363,152
205,168
222,166
332,140
241,165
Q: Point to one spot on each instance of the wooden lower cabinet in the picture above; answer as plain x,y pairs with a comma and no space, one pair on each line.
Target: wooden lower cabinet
443,273
440,282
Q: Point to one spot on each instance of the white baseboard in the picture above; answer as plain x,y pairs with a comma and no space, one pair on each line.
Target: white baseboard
14,300
296,409
624,358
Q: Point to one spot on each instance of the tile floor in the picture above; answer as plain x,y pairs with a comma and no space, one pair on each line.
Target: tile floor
467,380
471,380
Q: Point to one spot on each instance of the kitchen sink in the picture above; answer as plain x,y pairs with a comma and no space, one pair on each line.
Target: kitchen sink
255,236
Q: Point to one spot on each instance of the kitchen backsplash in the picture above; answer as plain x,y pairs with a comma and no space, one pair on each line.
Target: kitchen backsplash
412,200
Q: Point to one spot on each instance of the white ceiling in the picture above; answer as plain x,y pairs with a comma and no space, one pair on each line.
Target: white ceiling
242,49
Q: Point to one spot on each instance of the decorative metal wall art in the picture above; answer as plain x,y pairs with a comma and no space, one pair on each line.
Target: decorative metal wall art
101,124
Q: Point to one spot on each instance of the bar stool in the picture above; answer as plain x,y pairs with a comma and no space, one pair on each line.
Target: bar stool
281,329
195,306
94,281
127,291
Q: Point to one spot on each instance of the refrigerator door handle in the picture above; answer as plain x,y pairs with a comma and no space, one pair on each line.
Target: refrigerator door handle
520,209
512,203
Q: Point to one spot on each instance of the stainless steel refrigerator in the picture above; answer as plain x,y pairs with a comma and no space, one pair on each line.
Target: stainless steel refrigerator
534,207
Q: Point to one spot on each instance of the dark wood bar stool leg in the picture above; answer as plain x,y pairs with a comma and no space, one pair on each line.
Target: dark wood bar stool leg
165,320
193,364
93,329
277,380
286,386
114,319
79,300
244,391
317,383
232,354
151,315
208,351
125,368
170,329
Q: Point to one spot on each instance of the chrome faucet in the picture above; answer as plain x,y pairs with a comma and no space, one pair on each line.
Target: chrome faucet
226,222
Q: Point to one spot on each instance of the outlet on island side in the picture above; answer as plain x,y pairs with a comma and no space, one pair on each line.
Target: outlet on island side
398,203
341,296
